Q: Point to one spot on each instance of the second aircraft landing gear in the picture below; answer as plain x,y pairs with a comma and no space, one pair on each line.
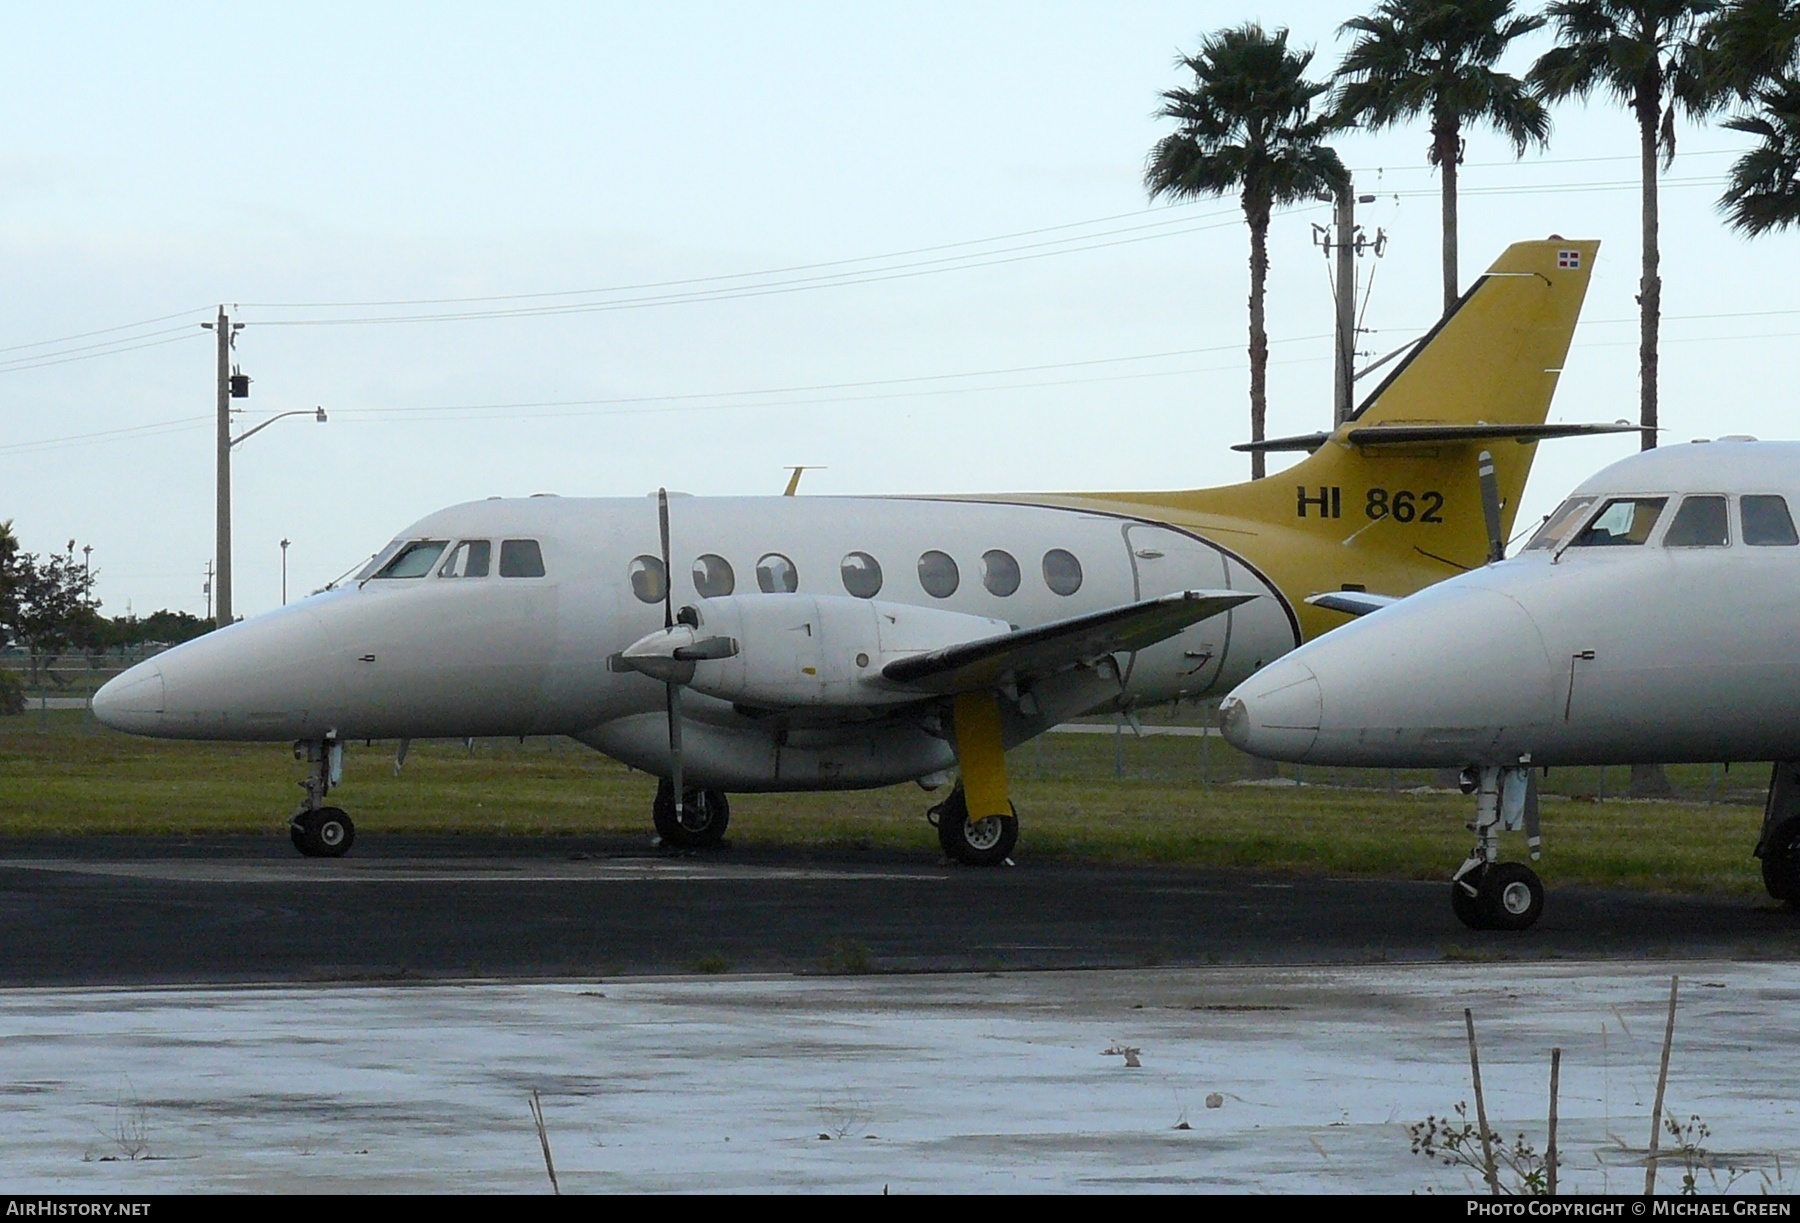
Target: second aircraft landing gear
319,831
1486,893
1779,845
701,822
983,842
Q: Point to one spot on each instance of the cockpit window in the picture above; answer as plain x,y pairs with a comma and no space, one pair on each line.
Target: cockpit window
1699,523
1557,527
521,558
378,560
1623,520
469,559
414,560
1767,523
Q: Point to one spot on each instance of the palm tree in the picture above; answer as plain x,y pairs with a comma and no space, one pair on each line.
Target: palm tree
1646,54
1247,125
1751,52
1436,58
1764,191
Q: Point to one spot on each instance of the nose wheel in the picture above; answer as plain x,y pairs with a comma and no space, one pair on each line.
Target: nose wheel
319,831
1505,896
1486,893
326,832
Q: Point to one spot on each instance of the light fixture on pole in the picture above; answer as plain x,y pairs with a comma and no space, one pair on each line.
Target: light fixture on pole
284,546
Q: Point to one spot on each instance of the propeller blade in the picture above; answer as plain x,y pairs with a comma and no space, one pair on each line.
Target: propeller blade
1490,507
662,522
674,691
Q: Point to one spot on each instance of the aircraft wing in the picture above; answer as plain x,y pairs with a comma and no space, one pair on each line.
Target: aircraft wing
1050,647
1352,602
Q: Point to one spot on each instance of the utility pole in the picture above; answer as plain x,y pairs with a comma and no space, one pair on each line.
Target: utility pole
208,589
1343,370
230,387
1344,243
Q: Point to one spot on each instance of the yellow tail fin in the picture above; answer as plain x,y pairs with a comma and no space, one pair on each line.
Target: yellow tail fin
1396,517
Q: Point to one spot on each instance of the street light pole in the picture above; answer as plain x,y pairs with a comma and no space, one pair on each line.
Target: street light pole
284,546
223,328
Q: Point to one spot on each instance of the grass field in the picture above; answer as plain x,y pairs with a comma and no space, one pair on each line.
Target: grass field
1081,798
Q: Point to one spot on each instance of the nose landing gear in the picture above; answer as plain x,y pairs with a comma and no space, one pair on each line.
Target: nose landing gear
319,831
1486,893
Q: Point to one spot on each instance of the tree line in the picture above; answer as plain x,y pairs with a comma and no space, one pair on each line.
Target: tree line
1253,124
47,606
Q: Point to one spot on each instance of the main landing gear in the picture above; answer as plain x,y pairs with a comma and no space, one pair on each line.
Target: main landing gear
1486,893
1779,845
319,831
701,822
983,842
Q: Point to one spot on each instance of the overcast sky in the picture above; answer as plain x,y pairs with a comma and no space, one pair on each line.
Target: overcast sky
998,307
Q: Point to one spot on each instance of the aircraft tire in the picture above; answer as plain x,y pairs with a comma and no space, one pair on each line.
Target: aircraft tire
705,815
327,832
1468,909
985,842
1781,861
1512,897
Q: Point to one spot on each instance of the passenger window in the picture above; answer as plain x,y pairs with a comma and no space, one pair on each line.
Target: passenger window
713,578
469,559
775,575
1767,523
999,572
938,574
648,580
1062,571
415,559
1623,520
521,558
1699,523
1557,527
862,575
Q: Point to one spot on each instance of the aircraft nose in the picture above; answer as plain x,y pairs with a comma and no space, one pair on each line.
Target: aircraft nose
1275,713
132,701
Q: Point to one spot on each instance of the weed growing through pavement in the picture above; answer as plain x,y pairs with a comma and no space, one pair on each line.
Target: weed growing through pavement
1458,1144
848,957
845,1114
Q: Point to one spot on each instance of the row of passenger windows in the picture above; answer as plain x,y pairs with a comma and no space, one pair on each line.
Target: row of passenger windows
1702,521
471,558
860,573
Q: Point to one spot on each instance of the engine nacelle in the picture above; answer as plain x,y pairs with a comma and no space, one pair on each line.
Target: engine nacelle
797,650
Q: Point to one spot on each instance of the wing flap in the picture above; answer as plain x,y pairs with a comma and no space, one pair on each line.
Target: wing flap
1063,643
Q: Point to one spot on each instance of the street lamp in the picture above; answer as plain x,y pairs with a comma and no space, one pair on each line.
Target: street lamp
284,544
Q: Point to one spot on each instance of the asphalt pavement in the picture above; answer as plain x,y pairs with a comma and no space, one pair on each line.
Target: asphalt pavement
136,911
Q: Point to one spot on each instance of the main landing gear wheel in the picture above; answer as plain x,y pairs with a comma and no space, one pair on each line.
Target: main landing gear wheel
985,842
1508,896
1781,861
324,832
704,816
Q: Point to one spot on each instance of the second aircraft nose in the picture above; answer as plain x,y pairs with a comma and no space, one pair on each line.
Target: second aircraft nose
132,701
1274,713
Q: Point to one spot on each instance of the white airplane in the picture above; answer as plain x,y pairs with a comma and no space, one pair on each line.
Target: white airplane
1651,619
799,643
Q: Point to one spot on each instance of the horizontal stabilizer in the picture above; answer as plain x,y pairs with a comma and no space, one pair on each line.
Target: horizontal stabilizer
1352,602
1427,434
1050,647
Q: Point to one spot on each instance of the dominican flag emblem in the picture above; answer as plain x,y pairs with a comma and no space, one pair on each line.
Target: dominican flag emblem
1568,259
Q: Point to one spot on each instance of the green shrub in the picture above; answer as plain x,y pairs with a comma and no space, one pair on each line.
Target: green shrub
12,693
